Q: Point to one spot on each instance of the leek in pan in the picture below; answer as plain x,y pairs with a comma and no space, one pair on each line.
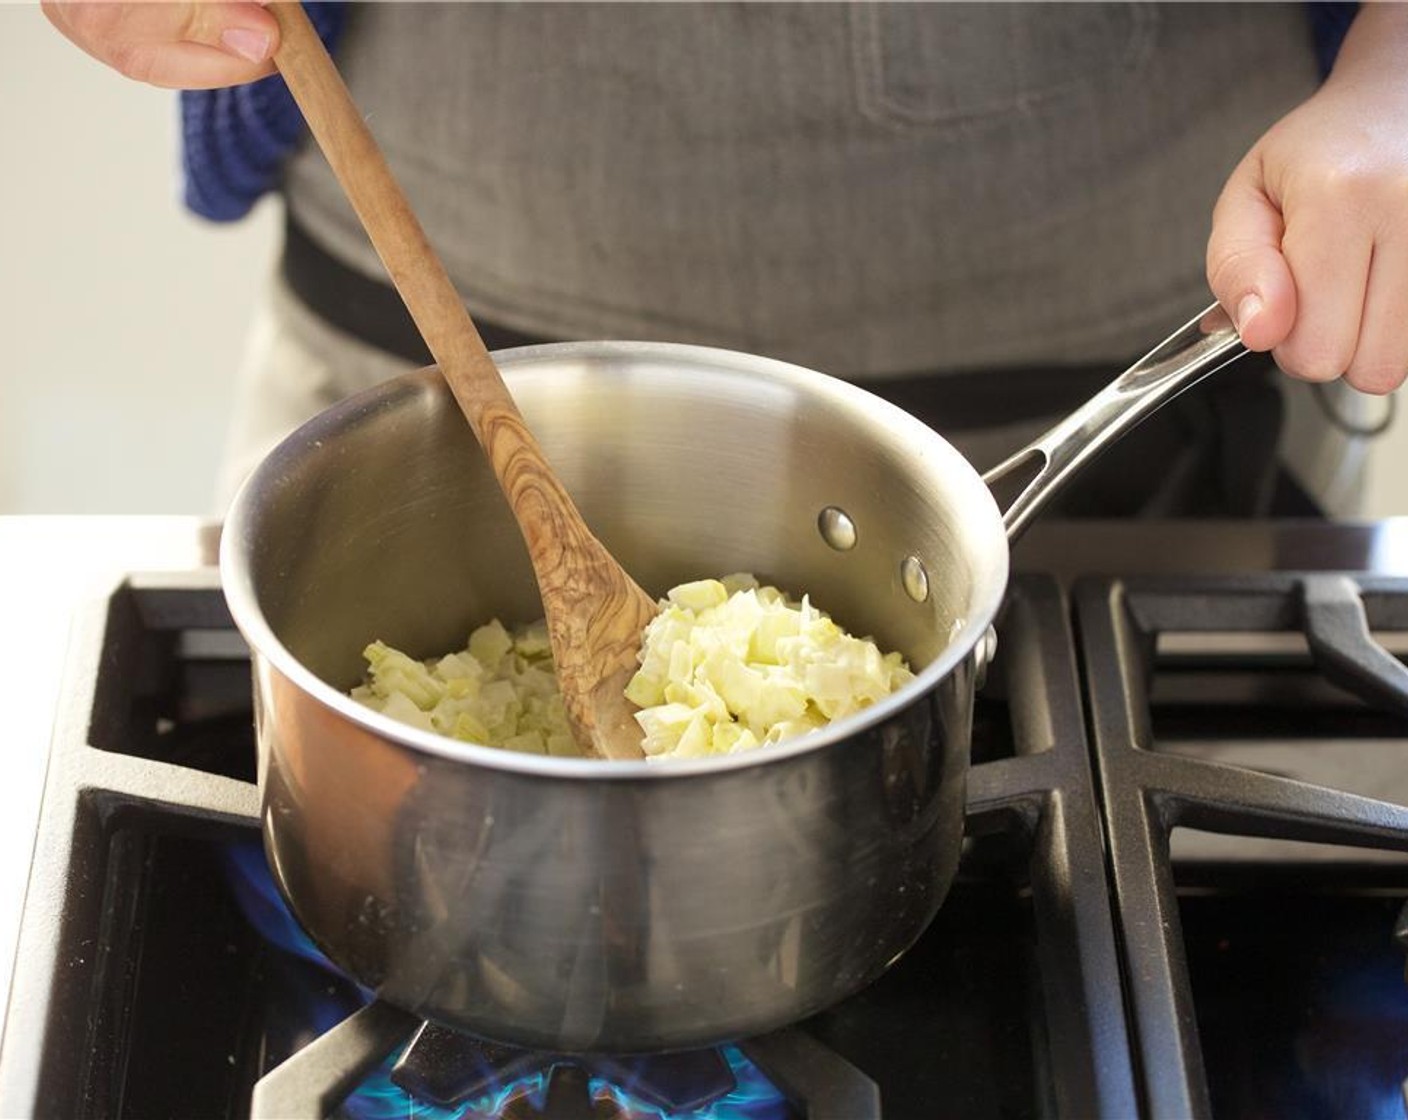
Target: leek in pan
727,665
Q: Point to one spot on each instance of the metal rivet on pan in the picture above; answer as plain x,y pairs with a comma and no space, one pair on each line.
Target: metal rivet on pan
915,578
837,529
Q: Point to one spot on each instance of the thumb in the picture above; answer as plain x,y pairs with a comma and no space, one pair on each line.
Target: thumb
1246,269
180,45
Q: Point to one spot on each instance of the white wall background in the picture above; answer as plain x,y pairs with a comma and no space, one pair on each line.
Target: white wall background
122,317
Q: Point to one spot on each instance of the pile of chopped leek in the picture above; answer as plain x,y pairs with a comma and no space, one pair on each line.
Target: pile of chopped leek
727,665
499,690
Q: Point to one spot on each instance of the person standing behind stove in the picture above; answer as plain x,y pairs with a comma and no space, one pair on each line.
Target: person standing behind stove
979,211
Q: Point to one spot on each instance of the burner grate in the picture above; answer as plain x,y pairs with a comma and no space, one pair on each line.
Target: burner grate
1046,791
317,1079
1147,793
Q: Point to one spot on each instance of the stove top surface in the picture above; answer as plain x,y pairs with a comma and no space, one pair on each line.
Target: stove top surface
1178,897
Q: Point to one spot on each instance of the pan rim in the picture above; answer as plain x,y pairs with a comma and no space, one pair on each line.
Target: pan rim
989,583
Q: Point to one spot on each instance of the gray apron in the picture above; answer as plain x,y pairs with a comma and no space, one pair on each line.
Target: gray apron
877,191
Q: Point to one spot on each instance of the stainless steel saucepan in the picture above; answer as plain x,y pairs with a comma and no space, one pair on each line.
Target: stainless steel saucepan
583,905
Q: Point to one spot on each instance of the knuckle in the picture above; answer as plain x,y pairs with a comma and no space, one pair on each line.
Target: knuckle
1365,188
1227,263
192,25
1344,181
1311,363
134,60
1376,377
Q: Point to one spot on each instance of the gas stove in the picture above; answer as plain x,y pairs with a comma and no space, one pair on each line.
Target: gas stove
1186,858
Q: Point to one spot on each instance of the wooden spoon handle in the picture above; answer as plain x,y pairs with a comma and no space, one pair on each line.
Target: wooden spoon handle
595,612
546,513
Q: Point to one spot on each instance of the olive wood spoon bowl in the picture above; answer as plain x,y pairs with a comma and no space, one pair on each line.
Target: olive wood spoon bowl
595,612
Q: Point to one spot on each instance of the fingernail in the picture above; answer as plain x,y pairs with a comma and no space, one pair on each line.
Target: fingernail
253,45
1247,310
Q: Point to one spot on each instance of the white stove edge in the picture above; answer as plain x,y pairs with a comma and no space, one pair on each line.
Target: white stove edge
51,567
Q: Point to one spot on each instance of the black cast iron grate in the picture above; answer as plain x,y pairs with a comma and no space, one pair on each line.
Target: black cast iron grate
1344,677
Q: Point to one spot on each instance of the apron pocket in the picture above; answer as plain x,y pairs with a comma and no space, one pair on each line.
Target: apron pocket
973,65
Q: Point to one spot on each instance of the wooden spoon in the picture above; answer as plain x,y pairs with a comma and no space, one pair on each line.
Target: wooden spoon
595,611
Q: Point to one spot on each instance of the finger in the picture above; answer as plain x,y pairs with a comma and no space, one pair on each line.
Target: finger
194,66
1381,356
1329,252
1246,269
176,45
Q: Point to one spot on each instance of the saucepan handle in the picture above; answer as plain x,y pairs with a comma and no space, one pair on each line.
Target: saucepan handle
1027,480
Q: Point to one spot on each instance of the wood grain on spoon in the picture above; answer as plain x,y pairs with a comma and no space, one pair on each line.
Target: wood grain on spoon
595,612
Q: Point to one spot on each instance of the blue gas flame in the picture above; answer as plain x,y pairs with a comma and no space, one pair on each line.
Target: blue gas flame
1350,1058
379,1098
752,1098
263,907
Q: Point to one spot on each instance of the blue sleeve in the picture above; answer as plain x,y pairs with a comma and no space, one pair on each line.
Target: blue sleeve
1328,24
234,140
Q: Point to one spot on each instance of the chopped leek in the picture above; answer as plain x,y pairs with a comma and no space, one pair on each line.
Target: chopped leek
726,666
729,665
499,690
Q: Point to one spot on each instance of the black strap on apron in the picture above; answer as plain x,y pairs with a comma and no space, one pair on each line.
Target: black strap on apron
366,309
371,310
